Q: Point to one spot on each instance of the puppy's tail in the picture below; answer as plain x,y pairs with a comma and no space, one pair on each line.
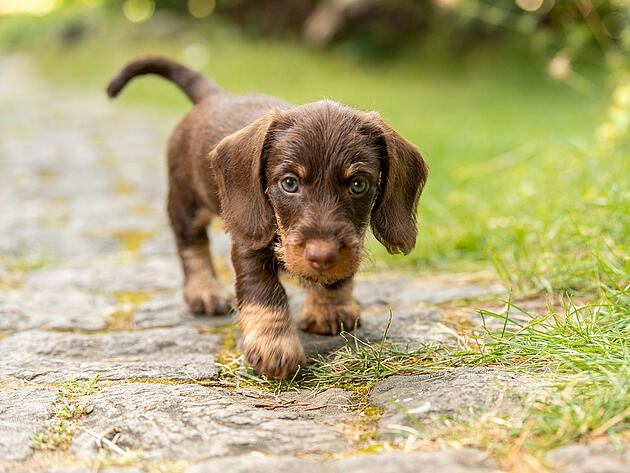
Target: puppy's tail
193,84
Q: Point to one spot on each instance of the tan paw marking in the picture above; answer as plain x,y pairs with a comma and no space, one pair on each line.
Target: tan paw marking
270,341
330,319
205,295
326,312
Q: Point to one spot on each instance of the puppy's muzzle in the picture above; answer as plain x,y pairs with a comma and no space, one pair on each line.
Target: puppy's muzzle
321,254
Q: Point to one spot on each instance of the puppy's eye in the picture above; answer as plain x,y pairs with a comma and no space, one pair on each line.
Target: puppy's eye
358,186
290,185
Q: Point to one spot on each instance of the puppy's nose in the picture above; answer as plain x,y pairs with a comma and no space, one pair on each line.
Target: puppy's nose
321,254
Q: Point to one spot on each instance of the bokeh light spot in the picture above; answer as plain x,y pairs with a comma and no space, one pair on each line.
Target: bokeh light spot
201,8
138,11
447,4
530,5
28,7
560,66
196,55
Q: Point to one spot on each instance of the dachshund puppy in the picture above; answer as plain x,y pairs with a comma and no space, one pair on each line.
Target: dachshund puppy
297,188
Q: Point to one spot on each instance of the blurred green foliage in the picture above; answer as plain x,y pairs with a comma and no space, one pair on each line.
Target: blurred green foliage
382,26
528,152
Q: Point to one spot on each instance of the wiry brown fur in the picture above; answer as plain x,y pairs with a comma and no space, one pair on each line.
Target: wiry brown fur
326,310
229,156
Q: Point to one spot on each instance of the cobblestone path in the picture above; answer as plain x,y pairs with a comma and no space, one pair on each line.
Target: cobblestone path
90,285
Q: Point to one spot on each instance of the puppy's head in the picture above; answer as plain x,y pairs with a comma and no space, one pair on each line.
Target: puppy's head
312,179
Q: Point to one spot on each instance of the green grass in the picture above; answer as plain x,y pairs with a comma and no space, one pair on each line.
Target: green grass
357,366
72,403
586,351
515,181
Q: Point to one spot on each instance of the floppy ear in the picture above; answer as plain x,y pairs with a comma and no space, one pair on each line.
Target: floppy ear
403,175
238,164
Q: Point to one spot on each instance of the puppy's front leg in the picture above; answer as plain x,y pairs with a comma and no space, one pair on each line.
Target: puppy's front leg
270,340
328,308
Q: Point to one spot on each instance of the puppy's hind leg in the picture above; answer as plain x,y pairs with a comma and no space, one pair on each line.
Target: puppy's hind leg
203,293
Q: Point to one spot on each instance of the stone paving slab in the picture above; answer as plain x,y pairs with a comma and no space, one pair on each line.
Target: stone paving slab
444,393
151,274
408,329
168,309
47,309
448,461
22,413
595,458
407,292
193,423
180,353
28,239
109,214
81,469
332,403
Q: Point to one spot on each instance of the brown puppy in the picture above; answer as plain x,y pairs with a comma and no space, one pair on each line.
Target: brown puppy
297,187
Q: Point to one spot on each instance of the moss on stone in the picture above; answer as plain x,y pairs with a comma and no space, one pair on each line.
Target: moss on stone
72,403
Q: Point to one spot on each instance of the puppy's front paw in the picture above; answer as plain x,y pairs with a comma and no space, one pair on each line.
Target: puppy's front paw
277,353
278,356
204,295
328,319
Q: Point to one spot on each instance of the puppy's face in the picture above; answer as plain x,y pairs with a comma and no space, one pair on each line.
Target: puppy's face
322,175
314,177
